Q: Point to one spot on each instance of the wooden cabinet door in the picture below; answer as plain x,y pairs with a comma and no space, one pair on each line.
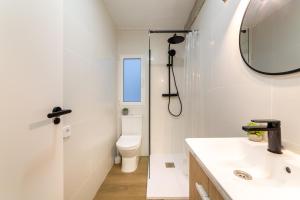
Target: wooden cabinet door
197,175
213,193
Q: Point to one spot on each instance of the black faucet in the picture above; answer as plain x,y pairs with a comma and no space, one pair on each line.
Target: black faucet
274,133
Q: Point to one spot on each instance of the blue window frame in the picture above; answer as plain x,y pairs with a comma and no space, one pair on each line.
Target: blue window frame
132,80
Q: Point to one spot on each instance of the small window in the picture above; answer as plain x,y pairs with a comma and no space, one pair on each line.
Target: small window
132,80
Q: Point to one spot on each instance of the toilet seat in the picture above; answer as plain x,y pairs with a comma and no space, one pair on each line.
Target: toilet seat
129,142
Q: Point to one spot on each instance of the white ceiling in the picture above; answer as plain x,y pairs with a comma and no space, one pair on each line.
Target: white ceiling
149,14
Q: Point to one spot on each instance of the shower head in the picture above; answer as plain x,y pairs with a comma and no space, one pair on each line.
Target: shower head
172,52
175,39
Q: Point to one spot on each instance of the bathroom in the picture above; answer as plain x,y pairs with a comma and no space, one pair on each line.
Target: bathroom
69,130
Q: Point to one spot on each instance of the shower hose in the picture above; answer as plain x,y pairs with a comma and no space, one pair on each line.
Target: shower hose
177,92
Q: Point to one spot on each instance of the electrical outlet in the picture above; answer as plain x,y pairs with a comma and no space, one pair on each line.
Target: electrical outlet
66,131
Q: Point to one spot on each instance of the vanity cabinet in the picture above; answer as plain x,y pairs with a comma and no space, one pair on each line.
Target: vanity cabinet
199,179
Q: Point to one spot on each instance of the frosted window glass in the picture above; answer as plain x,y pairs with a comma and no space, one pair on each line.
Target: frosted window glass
132,80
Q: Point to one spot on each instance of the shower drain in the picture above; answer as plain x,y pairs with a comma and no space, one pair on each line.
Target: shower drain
170,165
242,175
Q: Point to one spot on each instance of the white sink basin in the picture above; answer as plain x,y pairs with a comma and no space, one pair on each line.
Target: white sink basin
270,180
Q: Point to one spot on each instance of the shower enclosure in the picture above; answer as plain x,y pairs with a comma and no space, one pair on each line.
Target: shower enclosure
168,81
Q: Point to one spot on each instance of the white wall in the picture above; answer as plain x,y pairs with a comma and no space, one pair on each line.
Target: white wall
134,43
31,63
233,93
90,91
167,132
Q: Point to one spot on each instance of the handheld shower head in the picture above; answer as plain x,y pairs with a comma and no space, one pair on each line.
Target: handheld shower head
172,52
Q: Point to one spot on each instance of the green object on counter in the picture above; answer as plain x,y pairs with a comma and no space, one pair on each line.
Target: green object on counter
258,133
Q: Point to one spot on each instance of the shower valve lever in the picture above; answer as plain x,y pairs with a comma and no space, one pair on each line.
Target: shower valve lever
170,95
56,113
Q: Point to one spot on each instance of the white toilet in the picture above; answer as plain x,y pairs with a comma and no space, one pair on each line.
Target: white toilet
130,141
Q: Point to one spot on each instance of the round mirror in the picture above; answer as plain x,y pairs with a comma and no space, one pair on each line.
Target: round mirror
270,36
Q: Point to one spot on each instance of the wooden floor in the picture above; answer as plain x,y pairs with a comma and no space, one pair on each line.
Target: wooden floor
122,186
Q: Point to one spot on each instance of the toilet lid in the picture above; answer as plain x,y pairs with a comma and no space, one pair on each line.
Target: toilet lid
129,141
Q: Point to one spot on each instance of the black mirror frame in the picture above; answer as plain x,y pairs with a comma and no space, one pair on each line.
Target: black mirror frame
261,72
